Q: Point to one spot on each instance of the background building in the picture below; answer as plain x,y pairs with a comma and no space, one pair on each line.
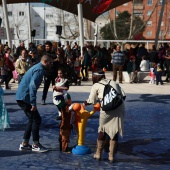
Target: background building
44,20
143,9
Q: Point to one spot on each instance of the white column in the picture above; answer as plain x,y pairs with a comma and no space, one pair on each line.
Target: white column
29,23
159,23
7,23
95,35
81,30
147,44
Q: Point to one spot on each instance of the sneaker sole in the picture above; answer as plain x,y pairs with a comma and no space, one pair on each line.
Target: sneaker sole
39,150
25,149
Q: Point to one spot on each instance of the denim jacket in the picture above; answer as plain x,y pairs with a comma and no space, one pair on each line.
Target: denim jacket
30,83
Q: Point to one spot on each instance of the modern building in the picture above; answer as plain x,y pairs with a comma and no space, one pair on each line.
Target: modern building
143,9
44,20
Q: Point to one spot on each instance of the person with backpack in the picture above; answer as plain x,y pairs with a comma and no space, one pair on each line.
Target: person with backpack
112,111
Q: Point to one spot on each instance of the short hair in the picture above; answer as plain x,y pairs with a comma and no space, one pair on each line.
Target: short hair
46,58
48,43
97,76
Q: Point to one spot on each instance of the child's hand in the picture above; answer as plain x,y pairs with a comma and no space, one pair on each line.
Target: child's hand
53,87
56,88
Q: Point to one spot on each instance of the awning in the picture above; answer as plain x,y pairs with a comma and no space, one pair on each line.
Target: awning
91,8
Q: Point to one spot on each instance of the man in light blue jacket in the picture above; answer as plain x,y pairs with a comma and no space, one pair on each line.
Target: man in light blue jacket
26,99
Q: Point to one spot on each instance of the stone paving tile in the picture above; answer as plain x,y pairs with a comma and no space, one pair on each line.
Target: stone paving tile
145,145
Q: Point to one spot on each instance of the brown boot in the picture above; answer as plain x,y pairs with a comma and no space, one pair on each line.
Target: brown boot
112,150
99,150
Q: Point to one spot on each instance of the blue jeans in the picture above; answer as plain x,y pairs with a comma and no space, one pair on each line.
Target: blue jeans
34,121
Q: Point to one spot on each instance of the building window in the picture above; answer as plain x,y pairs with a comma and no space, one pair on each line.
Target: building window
21,13
148,33
160,1
37,33
36,24
21,32
9,13
125,4
138,13
159,12
169,34
161,33
36,15
50,25
66,15
50,33
149,13
49,16
162,23
149,23
150,2
117,13
138,2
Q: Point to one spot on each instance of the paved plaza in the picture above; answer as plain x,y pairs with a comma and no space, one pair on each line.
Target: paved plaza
145,145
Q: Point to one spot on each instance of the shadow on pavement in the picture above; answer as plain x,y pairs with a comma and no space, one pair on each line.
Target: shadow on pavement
152,98
8,153
144,156
16,127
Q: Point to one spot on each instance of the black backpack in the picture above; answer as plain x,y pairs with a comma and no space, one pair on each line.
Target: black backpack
111,98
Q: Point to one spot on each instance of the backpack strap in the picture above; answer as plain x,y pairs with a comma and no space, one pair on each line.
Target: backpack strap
105,84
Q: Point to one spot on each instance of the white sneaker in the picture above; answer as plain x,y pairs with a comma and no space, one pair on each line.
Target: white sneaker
39,148
23,148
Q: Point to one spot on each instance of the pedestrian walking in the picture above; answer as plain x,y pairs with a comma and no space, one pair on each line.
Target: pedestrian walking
50,75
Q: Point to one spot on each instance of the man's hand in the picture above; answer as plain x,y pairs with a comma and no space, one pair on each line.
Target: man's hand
34,108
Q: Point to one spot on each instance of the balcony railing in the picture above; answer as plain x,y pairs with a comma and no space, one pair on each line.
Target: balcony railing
139,6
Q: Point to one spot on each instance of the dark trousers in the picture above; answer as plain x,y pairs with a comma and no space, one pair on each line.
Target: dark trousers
5,79
115,69
86,71
47,81
34,121
159,78
10,76
20,77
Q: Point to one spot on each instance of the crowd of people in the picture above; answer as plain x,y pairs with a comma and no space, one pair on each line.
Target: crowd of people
139,59
132,60
52,63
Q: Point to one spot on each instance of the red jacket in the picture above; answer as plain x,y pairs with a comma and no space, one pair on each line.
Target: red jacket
9,63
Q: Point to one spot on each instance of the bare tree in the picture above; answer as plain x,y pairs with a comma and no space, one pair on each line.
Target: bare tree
145,22
18,20
133,31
